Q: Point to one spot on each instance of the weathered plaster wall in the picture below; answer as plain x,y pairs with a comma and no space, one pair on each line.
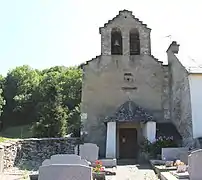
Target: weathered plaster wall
30,153
102,92
195,82
180,98
165,96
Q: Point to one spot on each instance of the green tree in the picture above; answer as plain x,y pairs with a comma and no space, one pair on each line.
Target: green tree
51,114
65,84
33,96
19,85
2,102
72,86
70,81
74,122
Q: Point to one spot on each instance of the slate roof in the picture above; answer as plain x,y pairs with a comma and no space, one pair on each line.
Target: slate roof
130,112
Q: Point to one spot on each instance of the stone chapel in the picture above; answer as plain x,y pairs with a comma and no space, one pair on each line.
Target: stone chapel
129,95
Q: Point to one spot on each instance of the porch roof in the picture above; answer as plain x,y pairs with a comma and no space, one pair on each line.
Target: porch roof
130,112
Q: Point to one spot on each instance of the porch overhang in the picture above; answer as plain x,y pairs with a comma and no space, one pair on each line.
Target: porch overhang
130,112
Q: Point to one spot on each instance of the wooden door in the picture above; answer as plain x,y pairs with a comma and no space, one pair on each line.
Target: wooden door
127,143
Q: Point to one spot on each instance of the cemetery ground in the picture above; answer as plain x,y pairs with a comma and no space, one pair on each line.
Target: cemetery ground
123,172
165,168
58,157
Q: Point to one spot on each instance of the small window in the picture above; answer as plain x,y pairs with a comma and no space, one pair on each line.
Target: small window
134,42
128,74
116,42
128,77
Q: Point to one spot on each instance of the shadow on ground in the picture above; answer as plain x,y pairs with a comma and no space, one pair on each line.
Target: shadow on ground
126,162
123,162
144,166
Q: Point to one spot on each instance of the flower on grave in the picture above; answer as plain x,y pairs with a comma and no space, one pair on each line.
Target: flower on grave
98,167
98,162
178,163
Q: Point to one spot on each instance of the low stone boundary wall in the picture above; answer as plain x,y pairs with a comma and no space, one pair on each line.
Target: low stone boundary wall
30,153
1,159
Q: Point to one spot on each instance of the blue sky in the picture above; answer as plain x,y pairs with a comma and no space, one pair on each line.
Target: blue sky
44,33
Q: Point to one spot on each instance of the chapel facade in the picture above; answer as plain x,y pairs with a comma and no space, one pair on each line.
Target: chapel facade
129,95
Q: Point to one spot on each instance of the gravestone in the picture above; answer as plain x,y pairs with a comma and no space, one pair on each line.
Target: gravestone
195,165
65,172
65,159
172,154
46,162
88,151
1,159
184,157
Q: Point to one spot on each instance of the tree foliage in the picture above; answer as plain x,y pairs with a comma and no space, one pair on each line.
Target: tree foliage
49,99
19,86
51,118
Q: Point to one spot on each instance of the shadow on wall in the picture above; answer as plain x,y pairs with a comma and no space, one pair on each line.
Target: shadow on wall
168,130
200,142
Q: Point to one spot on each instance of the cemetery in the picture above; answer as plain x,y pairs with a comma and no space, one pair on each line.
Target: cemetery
175,162
69,163
179,163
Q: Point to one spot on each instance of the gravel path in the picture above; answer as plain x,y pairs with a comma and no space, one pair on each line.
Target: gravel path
127,172
132,172
11,177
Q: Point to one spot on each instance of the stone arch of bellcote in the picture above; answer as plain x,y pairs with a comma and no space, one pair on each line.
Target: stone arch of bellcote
125,35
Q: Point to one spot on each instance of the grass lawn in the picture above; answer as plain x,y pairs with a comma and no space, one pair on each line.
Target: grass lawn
16,132
2,139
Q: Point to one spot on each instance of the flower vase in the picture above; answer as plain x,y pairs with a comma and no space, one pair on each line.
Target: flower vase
98,175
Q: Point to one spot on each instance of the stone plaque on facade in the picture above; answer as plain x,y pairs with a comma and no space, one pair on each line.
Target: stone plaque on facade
84,115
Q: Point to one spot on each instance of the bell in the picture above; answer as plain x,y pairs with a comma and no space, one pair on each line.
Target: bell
116,43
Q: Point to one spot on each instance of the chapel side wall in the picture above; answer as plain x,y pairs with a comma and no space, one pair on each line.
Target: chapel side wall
102,92
195,81
180,102
165,94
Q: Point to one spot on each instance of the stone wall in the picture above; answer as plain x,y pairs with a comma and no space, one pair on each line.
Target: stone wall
30,153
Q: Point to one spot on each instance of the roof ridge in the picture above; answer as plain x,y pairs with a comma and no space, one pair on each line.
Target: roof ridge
86,62
119,14
156,59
